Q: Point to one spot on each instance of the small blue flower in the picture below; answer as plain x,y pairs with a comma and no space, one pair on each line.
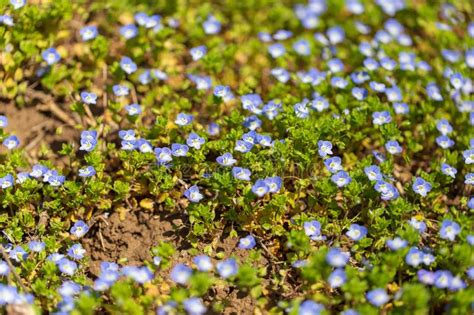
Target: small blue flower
247,242
273,183
444,127
333,164
11,142
324,148
203,263
227,268
420,226
401,108
163,155
17,4
444,142
448,170
373,172
76,251
449,230
377,86
341,178
359,93
469,179
7,181
468,156
18,254
51,56
421,186
224,92
128,65
89,98
129,31
241,173
313,230
302,47
120,90
211,25
336,34
193,194
79,229
356,232
426,277
179,149
442,279
67,266
243,146
133,109
260,188
226,159
281,74
89,32
337,278
337,258
414,257
393,147
213,129
194,306
87,171
377,297
181,274
301,110
4,268
183,119
140,275
276,50
36,246
198,52
195,141
381,118
396,243
3,121
309,307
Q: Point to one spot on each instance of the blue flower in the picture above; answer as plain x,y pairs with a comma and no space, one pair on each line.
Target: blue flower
442,279
247,242
79,229
359,77
224,92
281,74
335,65
260,188
273,184
120,90
420,226
227,268
143,145
388,191
211,25
88,140
203,263
213,129
6,20
324,148
241,173
337,278
359,93
202,82
449,230
336,34
444,142
163,155
313,230
377,297
376,86
193,194
393,147
444,127
356,232
282,34
87,171
18,254
183,119
448,170
17,4
89,98
252,122
469,179
128,65
67,266
36,246
373,172
301,47
421,186
341,179
339,83
11,142
243,146
179,149
226,159
76,251
333,164
337,258
69,288
51,56
181,274
414,257
468,156
198,52
381,118
3,121
133,109
276,50
89,32
309,307
370,64
138,274
396,243
194,306
7,181
426,277
195,141
21,177
301,110
129,31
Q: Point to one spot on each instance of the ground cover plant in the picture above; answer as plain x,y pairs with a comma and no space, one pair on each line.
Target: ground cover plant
236,157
